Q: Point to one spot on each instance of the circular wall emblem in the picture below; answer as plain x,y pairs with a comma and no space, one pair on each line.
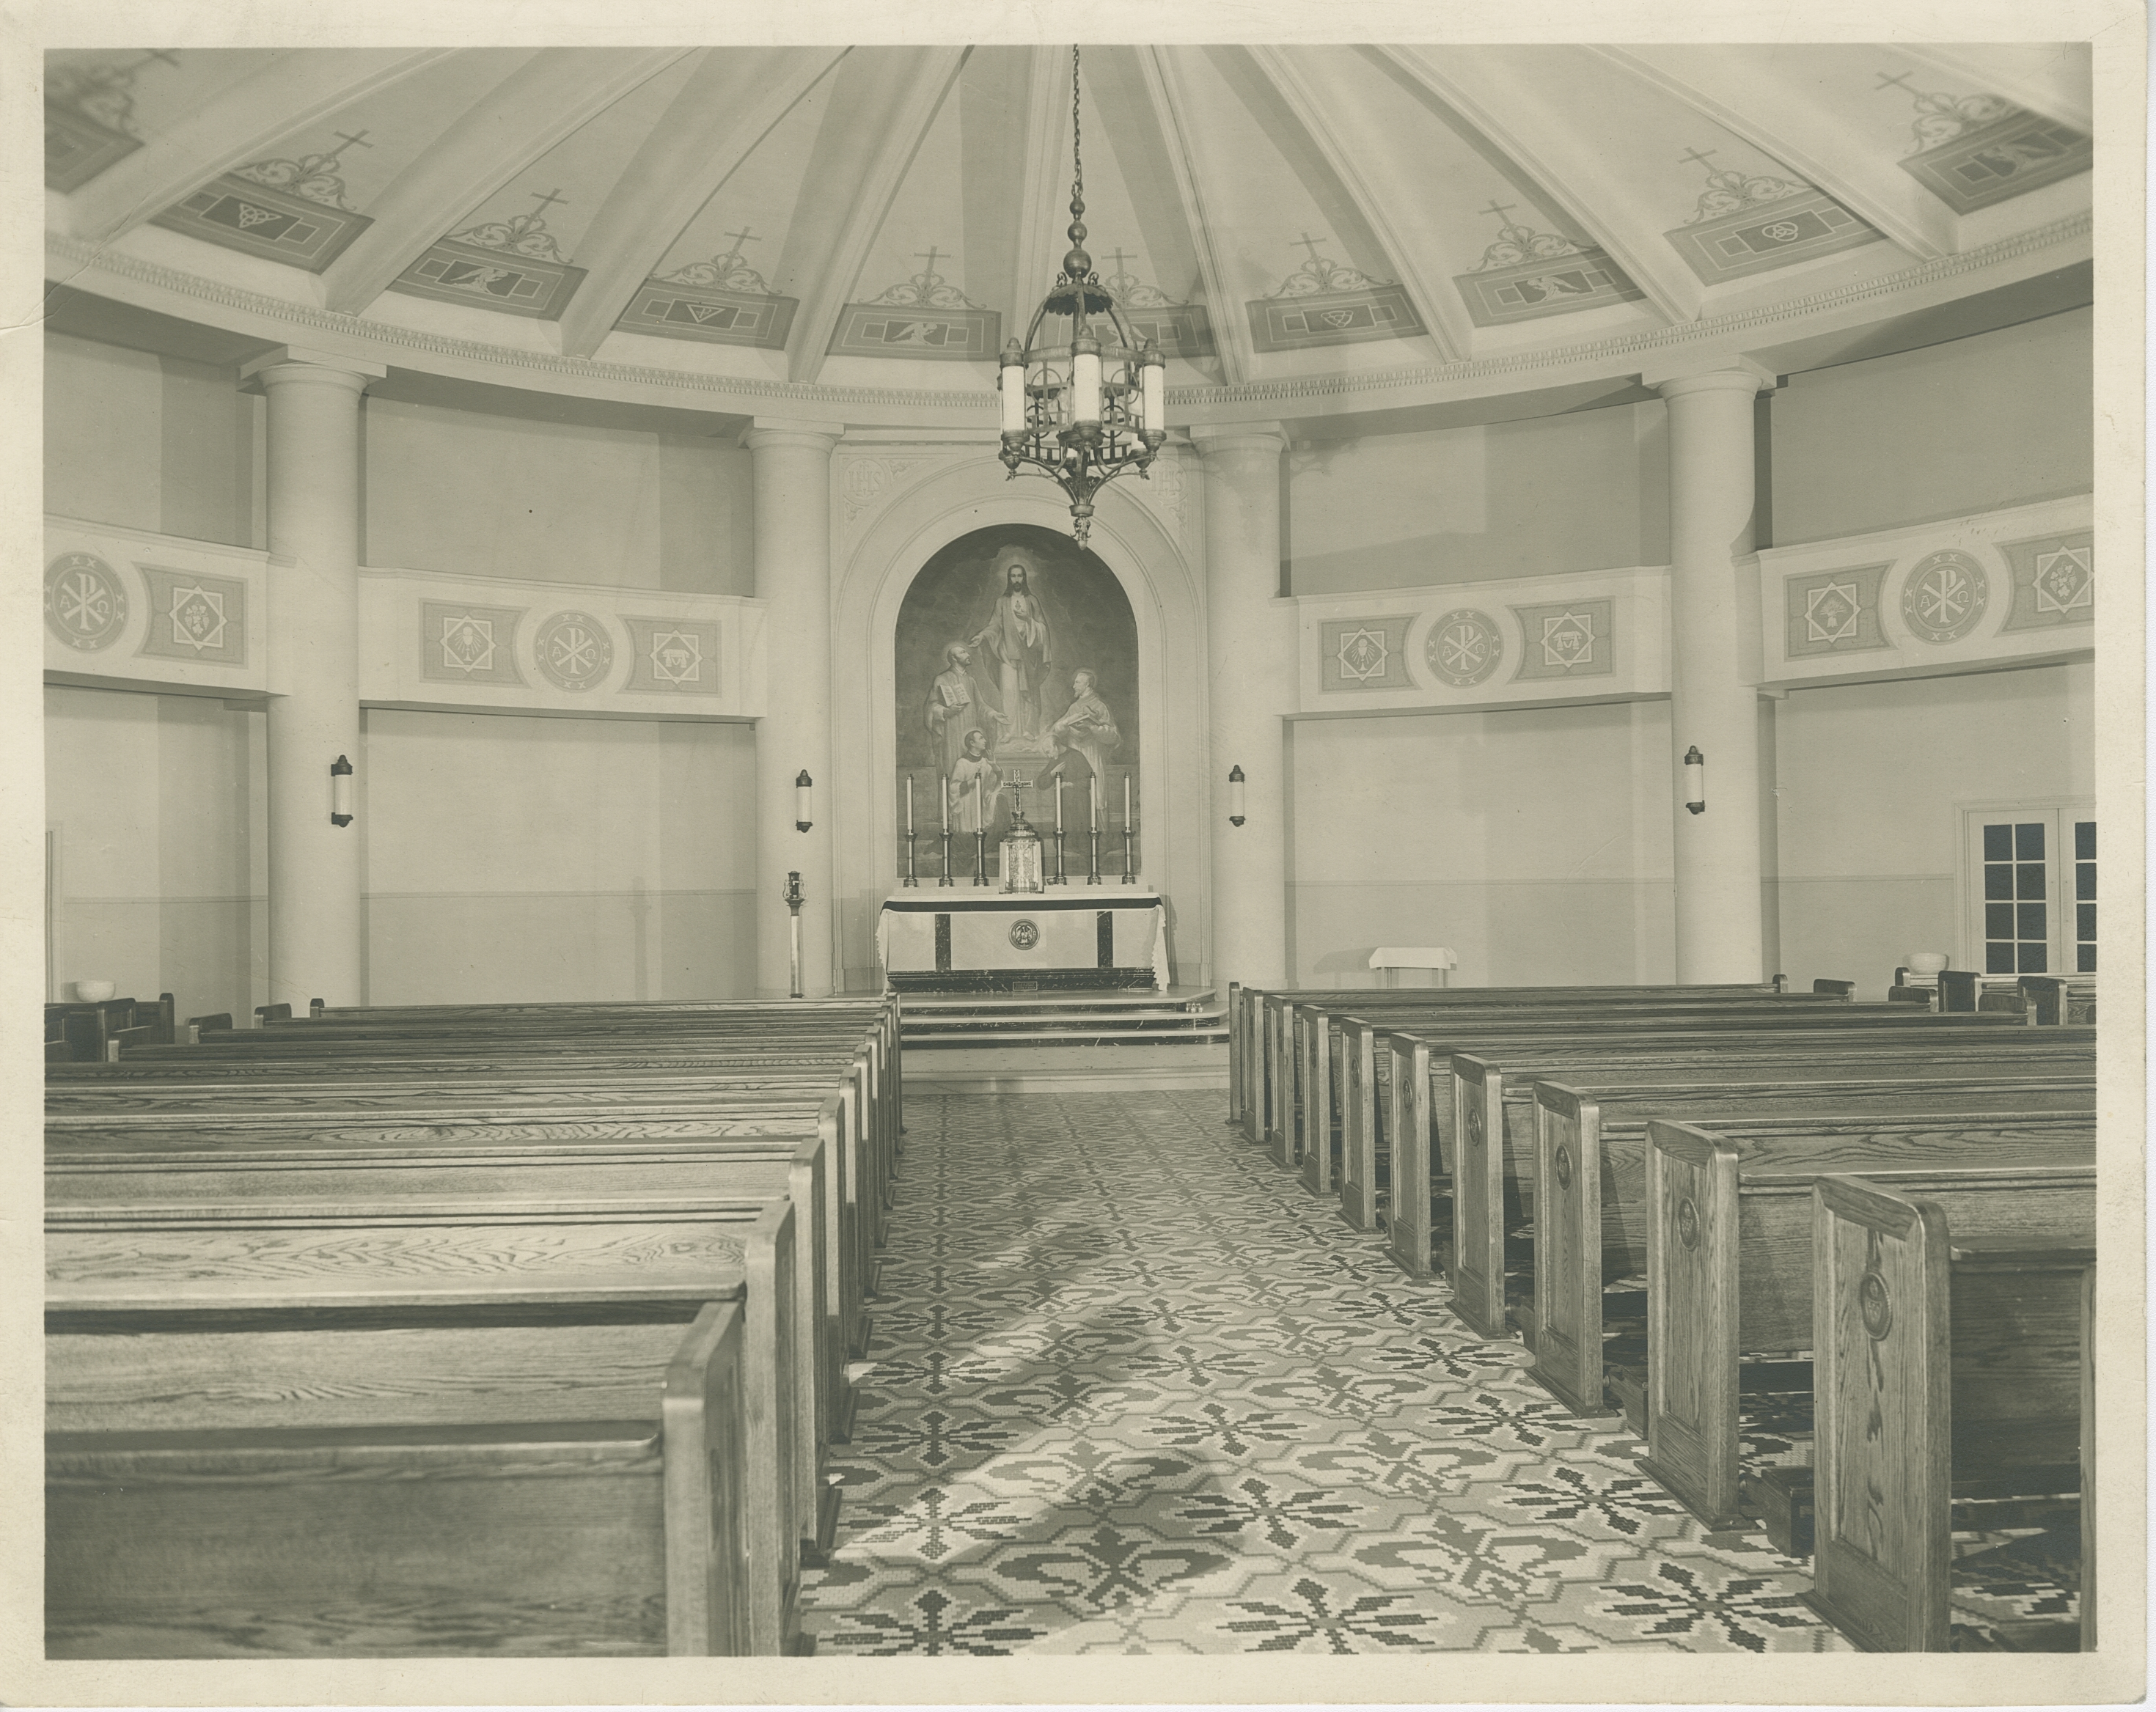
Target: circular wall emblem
1463,647
1875,1304
1688,1222
1944,596
574,650
1474,1123
1024,935
1563,1167
85,604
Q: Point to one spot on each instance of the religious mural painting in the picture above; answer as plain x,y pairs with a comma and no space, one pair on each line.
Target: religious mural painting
1016,658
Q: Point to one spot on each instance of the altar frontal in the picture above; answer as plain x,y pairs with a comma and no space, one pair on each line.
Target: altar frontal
1110,936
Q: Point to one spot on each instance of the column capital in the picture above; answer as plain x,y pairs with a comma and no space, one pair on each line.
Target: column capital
1676,378
1229,438
780,431
291,363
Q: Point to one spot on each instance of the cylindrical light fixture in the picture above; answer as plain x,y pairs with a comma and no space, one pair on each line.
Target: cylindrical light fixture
1153,393
1086,381
804,809
1694,780
1012,386
1234,796
340,791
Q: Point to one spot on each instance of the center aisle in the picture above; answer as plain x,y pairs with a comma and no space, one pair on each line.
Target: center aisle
1133,1391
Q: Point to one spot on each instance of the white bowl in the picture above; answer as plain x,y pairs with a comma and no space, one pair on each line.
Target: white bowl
93,993
1927,963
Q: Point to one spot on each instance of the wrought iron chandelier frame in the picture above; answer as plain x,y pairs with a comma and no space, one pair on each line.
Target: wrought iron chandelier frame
1087,409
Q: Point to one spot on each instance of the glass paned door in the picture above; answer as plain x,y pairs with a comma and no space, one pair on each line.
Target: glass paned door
2034,875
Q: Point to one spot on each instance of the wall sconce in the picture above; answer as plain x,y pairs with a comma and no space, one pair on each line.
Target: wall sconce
1234,796
340,792
1694,780
803,811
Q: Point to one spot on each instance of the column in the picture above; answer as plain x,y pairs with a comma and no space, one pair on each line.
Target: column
313,500
1714,703
1251,663
793,580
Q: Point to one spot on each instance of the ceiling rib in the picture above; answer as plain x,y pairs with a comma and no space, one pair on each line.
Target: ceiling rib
1039,241
885,150
1231,336
2071,105
1429,289
292,92
728,106
1813,145
543,101
1565,169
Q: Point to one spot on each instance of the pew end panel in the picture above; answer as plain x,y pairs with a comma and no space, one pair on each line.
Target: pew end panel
1314,1027
1358,1123
1569,1259
1479,1216
702,1422
1409,1228
1692,1320
1236,1099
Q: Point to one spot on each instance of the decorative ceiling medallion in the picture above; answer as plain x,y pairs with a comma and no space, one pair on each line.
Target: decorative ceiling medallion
574,650
925,316
1527,274
468,645
1325,302
89,119
263,220
1747,223
85,604
1973,150
722,301
1463,647
313,176
1943,596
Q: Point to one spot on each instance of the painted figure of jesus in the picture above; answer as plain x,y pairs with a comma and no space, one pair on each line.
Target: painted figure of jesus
1017,638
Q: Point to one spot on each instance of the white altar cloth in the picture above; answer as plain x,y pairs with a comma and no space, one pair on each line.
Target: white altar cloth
1068,937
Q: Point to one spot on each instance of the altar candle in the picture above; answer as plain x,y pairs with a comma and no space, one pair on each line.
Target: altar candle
1093,799
980,825
1059,805
908,805
943,794
1127,801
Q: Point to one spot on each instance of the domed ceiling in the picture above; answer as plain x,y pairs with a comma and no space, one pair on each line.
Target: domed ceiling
887,217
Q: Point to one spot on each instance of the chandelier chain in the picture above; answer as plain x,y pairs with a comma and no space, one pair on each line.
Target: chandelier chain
1077,164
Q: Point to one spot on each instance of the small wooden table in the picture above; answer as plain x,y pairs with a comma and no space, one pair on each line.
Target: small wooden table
1066,939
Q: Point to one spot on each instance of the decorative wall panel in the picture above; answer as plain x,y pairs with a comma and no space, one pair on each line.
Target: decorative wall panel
1989,162
1325,302
463,643
152,609
1365,654
676,656
709,314
1487,645
1834,611
452,272
1753,239
2001,587
2054,580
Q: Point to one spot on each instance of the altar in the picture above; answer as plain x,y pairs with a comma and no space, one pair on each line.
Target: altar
1067,938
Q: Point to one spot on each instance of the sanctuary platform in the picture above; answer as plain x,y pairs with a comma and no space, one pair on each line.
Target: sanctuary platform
1002,1042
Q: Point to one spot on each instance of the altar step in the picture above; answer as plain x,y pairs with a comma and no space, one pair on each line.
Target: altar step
1074,1041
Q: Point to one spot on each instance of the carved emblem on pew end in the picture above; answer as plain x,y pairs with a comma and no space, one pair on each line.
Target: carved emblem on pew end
1875,1304
1563,1165
1688,1222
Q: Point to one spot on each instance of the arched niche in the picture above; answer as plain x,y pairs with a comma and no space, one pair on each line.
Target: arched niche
924,502
996,633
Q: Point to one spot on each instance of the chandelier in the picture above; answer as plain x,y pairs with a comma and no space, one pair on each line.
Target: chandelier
1082,404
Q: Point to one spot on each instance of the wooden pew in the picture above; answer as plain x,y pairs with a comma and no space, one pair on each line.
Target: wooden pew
405,1365
1412,1062
1492,1185
1952,1330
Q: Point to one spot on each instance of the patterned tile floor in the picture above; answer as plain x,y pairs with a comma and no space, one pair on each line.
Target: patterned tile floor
1133,1391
